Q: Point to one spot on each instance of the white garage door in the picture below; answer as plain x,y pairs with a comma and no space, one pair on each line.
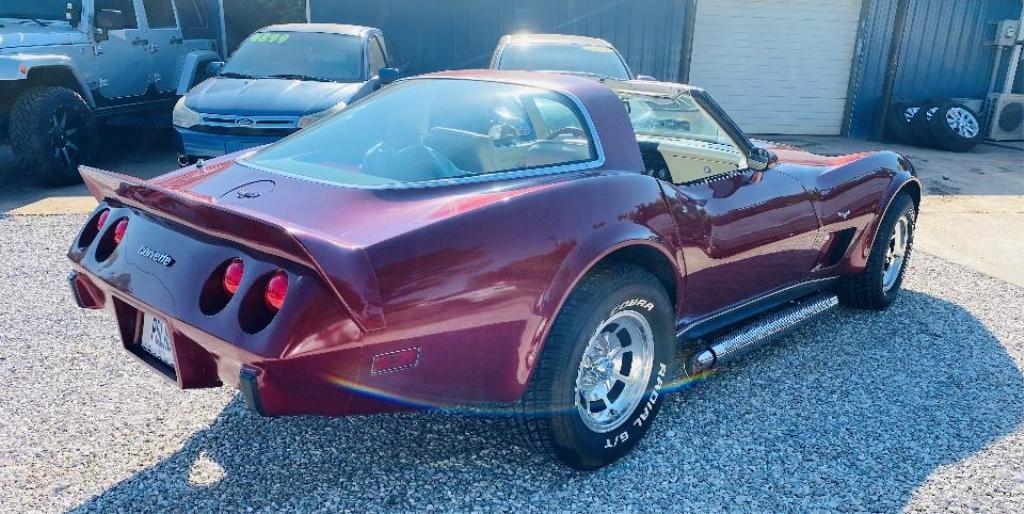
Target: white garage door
777,66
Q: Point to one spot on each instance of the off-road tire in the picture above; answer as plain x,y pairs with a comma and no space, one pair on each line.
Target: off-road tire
34,141
866,290
546,417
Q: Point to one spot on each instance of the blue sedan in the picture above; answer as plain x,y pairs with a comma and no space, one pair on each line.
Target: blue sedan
282,79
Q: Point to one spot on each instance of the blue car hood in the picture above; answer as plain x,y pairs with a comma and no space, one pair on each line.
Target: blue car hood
269,97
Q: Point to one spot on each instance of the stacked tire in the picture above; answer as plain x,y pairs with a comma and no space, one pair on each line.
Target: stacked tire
944,124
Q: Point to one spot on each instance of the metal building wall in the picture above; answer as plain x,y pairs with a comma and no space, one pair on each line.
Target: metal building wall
450,34
942,53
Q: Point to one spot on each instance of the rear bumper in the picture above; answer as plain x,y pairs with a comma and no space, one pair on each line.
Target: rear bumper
202,144
270,386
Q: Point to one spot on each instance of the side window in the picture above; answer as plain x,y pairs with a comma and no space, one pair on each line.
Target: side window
559,119
193,16
395,57
160,14
125,6
377,60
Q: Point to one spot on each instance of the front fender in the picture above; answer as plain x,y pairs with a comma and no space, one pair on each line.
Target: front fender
20,66
903,179
190,68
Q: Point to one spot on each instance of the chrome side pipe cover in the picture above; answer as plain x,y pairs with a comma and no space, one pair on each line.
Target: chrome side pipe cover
747,338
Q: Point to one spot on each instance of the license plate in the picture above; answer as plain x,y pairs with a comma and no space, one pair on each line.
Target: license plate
156,339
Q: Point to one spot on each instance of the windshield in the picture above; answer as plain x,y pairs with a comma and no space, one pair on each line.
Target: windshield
678,118
298,55
596,60
43,10
429,129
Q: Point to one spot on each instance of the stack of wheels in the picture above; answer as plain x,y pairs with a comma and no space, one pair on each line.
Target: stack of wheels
943,124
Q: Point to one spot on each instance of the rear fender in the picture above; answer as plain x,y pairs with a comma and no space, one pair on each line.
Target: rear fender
581,260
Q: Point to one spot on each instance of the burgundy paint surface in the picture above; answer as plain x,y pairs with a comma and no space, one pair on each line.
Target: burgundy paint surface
471,275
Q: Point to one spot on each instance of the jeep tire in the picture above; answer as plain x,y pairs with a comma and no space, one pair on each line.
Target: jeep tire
604,369
52,131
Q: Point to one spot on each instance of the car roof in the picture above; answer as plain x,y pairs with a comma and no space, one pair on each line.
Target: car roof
325,28
556,38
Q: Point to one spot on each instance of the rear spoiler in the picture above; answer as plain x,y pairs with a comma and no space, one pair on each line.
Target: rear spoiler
345,269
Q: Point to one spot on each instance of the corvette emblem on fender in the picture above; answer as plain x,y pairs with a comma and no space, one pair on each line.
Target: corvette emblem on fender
155,256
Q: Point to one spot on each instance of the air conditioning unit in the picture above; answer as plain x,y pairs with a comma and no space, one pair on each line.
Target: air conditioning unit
1006,117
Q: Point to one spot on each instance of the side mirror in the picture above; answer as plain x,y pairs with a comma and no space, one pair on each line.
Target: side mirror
388,75
110,19
214,68
646,77
761,159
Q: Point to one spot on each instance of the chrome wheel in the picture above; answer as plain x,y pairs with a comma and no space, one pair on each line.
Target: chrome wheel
962,122
896,252
614,371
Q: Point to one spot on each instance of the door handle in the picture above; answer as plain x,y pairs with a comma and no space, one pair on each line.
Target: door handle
175,40
140,42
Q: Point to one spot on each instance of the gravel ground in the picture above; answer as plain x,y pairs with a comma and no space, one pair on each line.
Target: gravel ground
917,409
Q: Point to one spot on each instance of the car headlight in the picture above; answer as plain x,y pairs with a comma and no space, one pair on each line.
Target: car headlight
183,116
310,119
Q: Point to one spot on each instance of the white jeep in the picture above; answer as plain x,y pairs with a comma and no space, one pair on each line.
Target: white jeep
64,64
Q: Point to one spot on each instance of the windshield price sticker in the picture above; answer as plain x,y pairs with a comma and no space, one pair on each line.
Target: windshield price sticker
269,37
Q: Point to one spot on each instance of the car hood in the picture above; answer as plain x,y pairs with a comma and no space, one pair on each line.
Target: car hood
269,97
15,34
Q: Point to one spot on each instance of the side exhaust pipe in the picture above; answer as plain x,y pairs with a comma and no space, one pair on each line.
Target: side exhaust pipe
186,160
747,338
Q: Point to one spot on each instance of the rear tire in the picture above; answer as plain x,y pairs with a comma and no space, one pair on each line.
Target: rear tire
616,328
52,132
876,287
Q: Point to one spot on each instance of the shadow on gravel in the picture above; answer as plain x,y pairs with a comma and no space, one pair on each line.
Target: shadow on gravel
851,413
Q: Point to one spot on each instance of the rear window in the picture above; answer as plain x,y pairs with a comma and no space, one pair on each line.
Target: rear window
431,129
160,14
594,60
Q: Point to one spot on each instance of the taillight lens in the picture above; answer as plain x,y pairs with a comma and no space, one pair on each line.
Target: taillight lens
119,231
102,219
277,290
233,276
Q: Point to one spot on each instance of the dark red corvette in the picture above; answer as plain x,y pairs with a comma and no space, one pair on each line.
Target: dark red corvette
503,238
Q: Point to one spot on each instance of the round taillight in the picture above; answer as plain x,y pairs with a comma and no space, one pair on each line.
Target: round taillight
233,276
119,230
277,290
102,219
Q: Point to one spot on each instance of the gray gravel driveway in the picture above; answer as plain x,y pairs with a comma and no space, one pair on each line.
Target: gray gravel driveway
920,408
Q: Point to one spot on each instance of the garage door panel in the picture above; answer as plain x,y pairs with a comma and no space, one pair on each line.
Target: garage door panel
777,66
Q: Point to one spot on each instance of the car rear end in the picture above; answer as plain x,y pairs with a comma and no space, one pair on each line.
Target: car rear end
205,306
